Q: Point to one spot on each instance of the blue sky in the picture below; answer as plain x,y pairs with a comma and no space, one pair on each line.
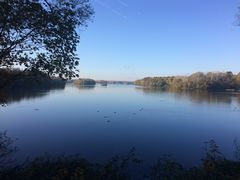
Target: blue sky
132,39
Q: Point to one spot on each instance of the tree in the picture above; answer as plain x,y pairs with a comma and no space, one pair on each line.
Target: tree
237,80
41,35
197,81
210,81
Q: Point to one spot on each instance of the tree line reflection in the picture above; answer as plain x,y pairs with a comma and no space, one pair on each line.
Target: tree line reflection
10,95
196,96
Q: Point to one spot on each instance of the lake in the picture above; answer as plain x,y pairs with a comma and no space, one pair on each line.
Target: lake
100,122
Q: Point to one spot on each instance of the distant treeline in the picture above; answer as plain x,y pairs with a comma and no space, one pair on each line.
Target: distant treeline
84,82
115,82
209,81
90,82
16,78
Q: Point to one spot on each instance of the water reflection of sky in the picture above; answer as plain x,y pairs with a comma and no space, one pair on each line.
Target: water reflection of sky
99,122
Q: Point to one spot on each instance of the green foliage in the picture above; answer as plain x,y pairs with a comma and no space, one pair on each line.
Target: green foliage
201,81
41,34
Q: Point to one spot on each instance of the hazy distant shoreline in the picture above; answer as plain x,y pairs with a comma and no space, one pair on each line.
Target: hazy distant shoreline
211,81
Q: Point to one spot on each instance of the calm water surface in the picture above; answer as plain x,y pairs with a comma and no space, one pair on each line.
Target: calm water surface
100,122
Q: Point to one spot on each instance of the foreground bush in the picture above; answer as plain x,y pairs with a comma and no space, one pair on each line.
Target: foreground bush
214,167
